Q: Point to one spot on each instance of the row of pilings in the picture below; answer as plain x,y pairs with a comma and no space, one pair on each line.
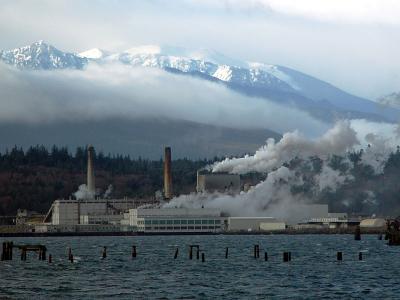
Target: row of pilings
195,252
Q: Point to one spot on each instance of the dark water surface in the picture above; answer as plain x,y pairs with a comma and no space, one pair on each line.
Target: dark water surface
313,272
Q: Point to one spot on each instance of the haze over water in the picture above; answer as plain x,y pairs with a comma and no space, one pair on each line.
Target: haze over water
154,274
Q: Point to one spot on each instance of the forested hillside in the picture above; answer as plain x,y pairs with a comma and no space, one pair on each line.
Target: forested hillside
33,178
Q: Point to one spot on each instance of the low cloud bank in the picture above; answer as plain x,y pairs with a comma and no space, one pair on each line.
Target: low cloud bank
102,92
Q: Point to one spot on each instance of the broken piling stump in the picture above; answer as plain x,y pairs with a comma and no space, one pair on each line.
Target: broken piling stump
134,252
339,256
357,233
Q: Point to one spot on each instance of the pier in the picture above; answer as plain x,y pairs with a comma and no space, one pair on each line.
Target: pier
7,251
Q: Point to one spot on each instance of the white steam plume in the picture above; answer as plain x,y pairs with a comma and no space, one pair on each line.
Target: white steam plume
269,196
83,193
108,192
377,152
330,178
335,141
275,196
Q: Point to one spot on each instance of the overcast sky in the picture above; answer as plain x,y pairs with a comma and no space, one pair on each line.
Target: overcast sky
353,44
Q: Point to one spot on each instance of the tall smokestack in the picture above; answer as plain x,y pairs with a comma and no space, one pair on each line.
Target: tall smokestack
90,172
167,174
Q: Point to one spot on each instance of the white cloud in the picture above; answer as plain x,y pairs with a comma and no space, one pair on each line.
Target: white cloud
335,41
120,91
348,11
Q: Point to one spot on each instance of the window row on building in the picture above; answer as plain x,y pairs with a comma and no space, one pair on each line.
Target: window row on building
179,228
180,222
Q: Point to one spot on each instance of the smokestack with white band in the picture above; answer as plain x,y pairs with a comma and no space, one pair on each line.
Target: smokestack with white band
167,174
90,172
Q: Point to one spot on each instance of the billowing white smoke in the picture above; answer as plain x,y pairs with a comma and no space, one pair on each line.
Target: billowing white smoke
269,196
376,153
330,179
108,192
83,193
378,141
274,196
292,145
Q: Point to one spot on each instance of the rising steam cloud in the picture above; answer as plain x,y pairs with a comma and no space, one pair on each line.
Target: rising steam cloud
335,141
274,196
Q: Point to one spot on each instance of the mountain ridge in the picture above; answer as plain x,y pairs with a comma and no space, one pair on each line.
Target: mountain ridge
273,82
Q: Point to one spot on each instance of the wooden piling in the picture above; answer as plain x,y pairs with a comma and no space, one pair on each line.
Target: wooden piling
176,253
357,233
256,251
3,251
50,259
70,255
190,252
198,253
23,254
11,250
7,251
265,256
360,256
339,256
134,254
285,256
203,257
104,254
226,252
42,253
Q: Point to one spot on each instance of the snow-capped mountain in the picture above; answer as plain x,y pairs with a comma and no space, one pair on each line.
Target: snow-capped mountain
94,53
43,56
208,63
276,83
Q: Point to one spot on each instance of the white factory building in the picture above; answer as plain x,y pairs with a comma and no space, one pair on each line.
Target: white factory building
255,224
176,220
96,211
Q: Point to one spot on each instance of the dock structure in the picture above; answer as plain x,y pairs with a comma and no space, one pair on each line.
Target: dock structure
7,250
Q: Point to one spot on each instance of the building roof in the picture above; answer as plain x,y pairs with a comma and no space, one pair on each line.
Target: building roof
376,222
